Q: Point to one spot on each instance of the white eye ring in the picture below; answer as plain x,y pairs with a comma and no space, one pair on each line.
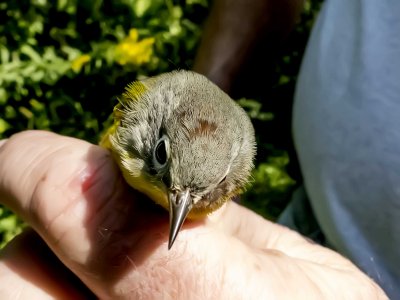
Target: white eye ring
161,152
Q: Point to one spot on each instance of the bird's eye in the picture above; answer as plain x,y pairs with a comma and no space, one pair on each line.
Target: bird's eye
161,152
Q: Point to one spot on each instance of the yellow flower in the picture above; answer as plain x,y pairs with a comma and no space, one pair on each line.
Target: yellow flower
132,51
79,62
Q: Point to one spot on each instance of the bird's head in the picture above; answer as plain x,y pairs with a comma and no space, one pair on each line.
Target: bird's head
184,143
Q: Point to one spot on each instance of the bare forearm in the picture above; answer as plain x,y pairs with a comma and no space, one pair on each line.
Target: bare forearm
234,28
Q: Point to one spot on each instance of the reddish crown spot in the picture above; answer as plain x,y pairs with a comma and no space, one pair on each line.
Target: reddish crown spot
203,128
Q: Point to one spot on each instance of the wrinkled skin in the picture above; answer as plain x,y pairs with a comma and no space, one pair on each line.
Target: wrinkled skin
74,197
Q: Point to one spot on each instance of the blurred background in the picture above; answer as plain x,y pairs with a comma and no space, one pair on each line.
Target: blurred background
64,62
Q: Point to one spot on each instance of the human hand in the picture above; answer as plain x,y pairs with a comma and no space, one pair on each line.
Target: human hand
72,194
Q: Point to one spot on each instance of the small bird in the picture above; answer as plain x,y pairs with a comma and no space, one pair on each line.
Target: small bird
183,142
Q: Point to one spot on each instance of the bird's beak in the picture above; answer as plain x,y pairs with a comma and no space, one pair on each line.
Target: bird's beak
180,204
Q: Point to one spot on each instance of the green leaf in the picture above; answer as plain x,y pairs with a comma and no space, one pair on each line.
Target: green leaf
200,2
25,112
140,7
4,55
36,105
3,96
4,125
31,53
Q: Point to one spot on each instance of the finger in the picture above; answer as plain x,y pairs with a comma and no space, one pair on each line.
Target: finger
26,159
70,192
29,270
49,179
301,264
250,227
260,233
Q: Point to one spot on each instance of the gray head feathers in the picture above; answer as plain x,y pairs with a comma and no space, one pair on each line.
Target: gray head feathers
183,131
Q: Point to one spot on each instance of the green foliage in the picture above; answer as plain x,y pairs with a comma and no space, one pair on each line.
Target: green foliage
10,225
270,187
59,67
62,63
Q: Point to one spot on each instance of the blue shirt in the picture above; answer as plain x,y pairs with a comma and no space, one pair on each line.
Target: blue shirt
347,132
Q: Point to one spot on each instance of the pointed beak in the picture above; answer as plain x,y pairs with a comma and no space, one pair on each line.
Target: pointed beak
180,204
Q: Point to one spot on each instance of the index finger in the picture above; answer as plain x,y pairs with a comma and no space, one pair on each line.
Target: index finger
73,195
